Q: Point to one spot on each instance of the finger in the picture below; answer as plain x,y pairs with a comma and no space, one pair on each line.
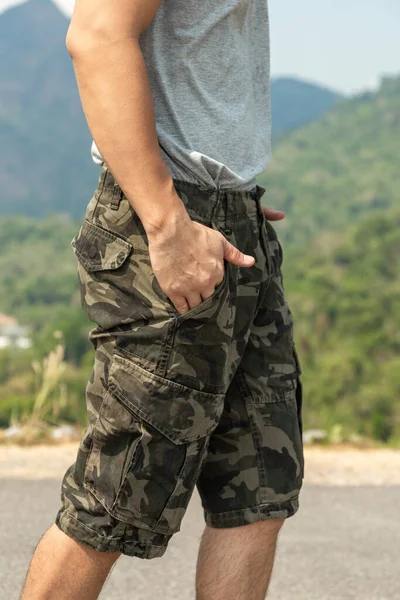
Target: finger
234,256
207,293
273,215
193,299
180,304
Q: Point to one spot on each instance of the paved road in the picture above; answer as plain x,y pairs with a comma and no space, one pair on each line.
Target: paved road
343,544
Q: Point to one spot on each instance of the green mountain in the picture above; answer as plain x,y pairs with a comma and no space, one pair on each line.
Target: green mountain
47,166
295,103
330,173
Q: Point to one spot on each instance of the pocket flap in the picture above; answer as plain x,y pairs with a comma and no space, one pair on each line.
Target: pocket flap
180,413
98,249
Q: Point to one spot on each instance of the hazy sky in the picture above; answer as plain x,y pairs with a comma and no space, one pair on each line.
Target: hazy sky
345,44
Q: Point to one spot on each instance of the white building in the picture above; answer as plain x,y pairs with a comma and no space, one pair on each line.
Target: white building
12,334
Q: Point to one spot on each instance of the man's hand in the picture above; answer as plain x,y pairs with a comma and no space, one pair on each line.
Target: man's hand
188,261
273,215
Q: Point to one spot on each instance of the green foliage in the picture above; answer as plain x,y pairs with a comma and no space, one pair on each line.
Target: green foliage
19,390
347,308
332,172
37,265
39,286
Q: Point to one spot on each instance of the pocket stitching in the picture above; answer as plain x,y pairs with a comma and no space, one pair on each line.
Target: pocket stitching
275,397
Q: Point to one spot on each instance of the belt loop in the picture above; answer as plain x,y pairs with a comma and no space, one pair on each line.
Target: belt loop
214,206
117,195
228,219
260,191
102,180
227,228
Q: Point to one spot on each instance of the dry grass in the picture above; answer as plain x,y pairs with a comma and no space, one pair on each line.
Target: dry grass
51,397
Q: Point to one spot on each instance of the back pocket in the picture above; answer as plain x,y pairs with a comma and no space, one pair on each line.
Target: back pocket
148,446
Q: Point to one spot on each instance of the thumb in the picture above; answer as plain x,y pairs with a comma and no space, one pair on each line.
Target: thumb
273,215
234,256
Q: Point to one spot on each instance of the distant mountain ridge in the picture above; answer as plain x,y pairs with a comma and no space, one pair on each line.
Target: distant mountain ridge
47,167
296,103
330,173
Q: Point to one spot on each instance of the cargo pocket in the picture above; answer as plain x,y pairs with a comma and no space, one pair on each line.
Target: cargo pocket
105,276
98,249
276,426
279,450
149,443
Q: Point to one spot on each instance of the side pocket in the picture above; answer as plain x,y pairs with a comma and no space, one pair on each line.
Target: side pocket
277,438
148,446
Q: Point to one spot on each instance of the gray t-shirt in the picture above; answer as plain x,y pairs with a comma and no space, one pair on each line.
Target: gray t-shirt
208,64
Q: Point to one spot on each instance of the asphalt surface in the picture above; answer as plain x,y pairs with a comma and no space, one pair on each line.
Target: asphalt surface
344,543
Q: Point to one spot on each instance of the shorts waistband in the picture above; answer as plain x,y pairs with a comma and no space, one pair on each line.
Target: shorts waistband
218,205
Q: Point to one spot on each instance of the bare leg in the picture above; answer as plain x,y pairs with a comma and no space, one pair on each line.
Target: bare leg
237,563
62,569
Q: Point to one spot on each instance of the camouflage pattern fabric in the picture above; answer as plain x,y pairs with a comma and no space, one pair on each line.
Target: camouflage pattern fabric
211,397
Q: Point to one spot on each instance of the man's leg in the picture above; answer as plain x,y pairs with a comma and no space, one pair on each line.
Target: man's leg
63,569
236,563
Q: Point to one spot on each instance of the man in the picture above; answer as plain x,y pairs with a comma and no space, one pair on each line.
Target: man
196,379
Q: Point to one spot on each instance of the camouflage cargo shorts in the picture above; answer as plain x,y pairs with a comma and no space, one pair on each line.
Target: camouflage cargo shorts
209,398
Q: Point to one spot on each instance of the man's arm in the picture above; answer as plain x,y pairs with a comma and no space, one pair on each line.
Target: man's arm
103,41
